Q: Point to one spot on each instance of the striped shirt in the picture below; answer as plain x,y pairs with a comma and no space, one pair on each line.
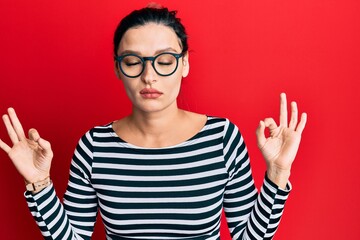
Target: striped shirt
176,192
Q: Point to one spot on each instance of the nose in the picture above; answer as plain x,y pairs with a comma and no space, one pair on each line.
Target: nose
149,75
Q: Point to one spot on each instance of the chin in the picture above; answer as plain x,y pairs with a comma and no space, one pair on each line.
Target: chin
151,107
148,108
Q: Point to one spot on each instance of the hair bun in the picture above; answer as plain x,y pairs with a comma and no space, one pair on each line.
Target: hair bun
154,5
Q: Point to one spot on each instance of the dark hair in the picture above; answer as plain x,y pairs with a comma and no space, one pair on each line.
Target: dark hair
151,15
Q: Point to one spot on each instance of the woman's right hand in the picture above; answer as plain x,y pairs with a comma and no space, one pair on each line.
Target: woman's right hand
31,156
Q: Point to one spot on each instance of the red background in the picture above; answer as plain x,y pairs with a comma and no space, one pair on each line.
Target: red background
56,70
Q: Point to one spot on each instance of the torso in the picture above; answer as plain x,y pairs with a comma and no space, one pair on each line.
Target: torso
173,192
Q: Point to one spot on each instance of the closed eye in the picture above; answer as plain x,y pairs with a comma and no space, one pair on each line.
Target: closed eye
129,64
165,63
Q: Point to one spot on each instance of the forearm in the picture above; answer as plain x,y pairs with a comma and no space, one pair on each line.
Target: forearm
264,219
49,214
270,206
55,219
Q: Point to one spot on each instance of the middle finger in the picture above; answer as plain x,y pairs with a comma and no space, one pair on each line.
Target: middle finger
283,110
16,124
12,134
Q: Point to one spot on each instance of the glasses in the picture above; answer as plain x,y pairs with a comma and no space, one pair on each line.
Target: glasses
164,64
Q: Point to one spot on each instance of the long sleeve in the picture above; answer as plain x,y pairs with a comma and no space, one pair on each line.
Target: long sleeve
250,215
75,218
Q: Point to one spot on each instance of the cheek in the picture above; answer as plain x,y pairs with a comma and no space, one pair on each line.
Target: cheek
175,85
129,88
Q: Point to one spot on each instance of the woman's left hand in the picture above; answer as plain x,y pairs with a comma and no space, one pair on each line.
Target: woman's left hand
280,148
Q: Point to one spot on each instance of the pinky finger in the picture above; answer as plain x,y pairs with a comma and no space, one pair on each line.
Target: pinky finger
4,146
302,123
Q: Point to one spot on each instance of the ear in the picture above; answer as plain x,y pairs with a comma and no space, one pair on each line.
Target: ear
116,69
185,64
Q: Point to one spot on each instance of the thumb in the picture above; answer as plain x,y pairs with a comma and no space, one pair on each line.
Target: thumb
34,135
260,134
45,145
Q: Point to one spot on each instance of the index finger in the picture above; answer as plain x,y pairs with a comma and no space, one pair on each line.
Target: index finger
16,124
283,110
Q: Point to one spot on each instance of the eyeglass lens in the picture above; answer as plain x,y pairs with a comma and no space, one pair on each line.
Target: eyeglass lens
164,64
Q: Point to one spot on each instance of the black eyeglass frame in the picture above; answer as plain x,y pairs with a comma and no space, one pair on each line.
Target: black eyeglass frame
152,59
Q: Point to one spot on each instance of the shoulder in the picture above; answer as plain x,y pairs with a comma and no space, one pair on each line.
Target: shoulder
229,130
106,128
98,132
222,127
221,121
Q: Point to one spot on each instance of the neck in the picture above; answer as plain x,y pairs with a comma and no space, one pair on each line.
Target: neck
154,124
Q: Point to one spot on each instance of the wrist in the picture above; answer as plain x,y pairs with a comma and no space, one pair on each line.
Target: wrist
278,176
35,187
37,177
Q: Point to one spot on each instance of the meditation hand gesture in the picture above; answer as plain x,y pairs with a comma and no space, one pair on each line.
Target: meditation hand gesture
280,148
31,156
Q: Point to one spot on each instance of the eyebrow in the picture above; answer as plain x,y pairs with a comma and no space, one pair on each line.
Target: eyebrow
157,52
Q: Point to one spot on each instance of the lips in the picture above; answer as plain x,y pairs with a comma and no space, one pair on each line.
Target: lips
150,93
150,90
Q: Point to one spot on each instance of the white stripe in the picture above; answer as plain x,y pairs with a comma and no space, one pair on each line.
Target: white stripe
145,167
240,189
80,205
82,214
161,222
80,196
80,187
242,198
82,160
157,156
158,178
162,200
240,208
161,189
161,210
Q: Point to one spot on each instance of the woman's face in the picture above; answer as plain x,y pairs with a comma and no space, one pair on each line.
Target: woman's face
151,92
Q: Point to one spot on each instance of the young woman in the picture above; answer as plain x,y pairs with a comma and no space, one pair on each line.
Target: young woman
161,172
